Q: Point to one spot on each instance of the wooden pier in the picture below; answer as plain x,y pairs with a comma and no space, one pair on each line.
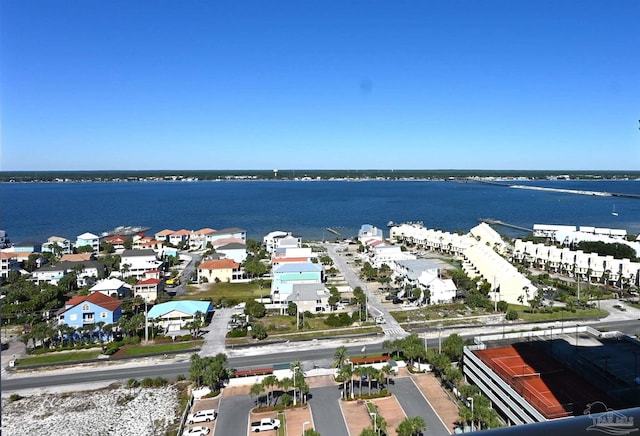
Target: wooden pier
494,222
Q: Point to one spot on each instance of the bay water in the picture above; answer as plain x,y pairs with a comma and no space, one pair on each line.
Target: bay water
35,211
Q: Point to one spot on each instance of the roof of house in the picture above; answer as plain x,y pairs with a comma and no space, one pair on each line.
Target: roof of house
57,239
148,282
108,285
88,235
181,232
307,292
140,253
186,306
204,231
96,298
223,241
290,260
219,264
76,257
116,239
28,244
231,230
232,246
7,255
298,267
164,232
68,265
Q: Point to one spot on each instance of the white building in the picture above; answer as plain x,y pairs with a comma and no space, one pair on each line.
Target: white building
135,263
277,239
368,232
112,288
387,254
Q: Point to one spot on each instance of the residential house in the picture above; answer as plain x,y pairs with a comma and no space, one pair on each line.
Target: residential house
234,251
386,254
174,315
309,297
8,262
4,239
58,246
112,288
148,288
89,309
231,232
198,239
287,274
135,263
278,239
118,241
180,236
27,247
369,232
88,239
163,235
223,270
87,272
142,242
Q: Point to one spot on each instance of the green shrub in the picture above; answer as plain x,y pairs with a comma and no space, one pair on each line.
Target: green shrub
15,397
237,333
512,315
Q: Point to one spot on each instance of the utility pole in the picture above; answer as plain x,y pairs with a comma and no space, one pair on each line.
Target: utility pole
146,322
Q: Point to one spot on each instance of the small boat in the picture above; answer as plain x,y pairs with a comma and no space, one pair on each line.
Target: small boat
613,212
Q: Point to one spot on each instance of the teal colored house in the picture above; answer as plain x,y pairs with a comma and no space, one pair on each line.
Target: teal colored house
288,274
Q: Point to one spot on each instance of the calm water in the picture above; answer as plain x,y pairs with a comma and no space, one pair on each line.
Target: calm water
35,211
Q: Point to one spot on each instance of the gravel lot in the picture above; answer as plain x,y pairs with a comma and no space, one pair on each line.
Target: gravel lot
111,411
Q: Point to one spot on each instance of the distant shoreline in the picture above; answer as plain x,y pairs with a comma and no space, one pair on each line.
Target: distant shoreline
309,175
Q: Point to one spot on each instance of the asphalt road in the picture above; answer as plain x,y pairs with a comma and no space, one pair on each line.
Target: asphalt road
320,356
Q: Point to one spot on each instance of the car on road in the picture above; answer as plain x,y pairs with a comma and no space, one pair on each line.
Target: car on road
199,430
265,424
202,416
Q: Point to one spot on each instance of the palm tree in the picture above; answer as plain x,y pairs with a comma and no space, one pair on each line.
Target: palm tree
340,356
285,384
269,382
256,391
346,375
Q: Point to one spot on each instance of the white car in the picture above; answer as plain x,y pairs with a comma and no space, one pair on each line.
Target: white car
202,416
199,430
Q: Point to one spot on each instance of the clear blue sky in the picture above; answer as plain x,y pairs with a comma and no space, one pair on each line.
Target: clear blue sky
89,84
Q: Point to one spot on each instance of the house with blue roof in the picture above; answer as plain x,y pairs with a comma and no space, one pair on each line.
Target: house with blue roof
286,275
174,315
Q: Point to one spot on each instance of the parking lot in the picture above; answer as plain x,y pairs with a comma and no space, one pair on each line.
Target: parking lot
413,395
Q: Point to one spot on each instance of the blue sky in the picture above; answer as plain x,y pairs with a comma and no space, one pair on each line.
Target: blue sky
319,85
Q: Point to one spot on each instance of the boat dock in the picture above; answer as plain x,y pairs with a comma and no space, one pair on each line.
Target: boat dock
493,222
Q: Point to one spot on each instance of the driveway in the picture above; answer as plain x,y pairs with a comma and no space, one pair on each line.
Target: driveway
391,327
214,339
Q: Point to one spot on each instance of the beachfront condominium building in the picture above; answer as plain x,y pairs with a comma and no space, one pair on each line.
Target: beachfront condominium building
278,239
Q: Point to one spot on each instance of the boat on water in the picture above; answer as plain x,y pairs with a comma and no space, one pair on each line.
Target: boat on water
126,230
613,212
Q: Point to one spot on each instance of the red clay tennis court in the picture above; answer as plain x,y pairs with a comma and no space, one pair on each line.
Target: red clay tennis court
547,385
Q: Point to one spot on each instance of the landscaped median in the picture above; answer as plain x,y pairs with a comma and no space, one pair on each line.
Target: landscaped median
72,357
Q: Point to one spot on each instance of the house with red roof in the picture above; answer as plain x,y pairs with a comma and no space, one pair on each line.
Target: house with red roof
179,236
117,241
198,239
148,289
223,270
89,309
163,235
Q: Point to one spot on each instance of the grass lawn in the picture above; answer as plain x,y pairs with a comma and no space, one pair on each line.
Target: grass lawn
309,334
59,357
138,350
231,293
556,316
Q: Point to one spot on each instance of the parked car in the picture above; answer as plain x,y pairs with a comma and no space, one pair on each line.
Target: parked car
199,430
397,301
265,424
202,416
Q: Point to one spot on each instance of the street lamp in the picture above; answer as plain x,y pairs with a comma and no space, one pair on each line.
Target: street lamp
375,421
351,381
439,338
304,424
470,399
295,369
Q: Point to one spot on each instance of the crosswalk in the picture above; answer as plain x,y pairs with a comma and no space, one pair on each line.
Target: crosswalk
394,331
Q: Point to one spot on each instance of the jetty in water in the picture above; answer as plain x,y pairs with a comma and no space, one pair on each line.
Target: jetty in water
126,230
